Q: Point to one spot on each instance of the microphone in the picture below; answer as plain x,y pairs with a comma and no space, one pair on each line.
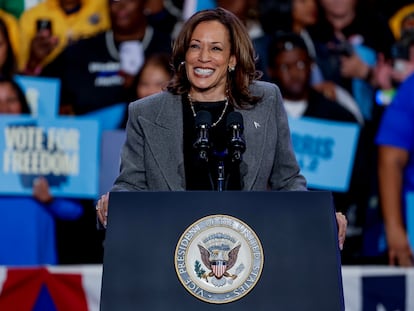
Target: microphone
202,125
235,128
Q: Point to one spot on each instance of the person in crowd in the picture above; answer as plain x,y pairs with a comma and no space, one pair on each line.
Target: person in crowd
152,78
299,17
348,40
214,75
107,62
154,75
391,73
394,71
287,16
28,223
395,170
13,100
402,21
47,28
8,65
290,67
396,164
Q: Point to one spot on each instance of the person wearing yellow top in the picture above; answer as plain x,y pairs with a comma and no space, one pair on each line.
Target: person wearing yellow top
12,29
47,28
402,20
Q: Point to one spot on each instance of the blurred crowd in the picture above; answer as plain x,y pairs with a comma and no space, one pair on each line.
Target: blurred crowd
341,60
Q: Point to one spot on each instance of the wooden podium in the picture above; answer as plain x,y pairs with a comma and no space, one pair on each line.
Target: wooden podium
297,231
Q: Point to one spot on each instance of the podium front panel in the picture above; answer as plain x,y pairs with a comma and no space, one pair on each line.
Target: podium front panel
297,231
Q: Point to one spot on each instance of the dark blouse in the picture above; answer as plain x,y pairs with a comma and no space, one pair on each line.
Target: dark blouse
201,175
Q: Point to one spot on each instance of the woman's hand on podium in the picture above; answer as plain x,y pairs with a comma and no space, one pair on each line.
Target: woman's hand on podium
342,224
102,209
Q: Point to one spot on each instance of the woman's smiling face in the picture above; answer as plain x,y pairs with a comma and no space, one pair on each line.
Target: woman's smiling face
208,58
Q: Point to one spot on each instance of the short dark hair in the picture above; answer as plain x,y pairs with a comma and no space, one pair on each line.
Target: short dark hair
285,41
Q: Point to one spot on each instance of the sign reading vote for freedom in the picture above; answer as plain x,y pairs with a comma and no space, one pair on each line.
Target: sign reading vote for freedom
64,151
325,151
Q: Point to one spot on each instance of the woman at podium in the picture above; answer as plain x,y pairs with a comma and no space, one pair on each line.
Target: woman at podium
215,127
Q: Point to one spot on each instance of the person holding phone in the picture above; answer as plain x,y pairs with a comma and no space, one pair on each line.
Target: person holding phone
107,62
50,26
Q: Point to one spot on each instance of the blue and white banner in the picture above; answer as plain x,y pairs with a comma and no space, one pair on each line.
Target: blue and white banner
63,150
325,151
42,94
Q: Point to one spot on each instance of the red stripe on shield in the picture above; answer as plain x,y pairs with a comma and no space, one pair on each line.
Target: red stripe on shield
218,267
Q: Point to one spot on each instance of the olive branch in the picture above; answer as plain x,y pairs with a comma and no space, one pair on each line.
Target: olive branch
198,270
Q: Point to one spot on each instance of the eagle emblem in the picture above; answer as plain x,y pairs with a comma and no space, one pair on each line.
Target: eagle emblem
219,255
218,259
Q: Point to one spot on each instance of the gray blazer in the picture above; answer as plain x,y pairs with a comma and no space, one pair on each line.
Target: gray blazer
152,156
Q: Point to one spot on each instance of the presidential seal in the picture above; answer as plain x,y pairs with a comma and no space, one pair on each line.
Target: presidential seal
219,259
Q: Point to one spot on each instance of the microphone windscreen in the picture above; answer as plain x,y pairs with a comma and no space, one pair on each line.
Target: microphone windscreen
203,117
234,117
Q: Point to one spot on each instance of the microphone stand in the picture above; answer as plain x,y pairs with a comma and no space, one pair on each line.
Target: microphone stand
220,170
220,177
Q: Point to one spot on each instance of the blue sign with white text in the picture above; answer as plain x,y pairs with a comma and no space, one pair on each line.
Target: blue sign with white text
65,151
109,118
42,94
325,151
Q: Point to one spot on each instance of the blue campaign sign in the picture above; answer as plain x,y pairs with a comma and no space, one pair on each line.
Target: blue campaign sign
410,217
205,4
43,95
325,151
109,118
362,90
64,150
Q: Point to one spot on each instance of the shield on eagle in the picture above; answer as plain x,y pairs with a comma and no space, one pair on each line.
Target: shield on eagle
218,267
